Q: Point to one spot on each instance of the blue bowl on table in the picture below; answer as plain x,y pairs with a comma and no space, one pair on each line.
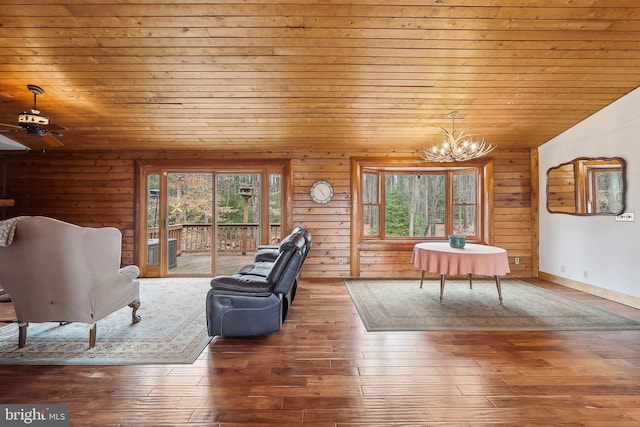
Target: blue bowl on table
457,241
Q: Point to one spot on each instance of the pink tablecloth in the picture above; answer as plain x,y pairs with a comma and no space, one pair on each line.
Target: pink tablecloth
481,260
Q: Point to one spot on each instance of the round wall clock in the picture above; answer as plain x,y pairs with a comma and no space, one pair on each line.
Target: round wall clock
321,191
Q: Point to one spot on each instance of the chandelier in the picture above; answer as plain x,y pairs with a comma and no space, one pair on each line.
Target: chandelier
456,148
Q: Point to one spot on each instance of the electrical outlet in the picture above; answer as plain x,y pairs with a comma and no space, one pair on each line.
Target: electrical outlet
517,260
340,261
626,217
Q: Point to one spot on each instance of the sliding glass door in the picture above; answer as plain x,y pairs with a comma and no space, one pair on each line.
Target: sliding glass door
239,227
189,237
208,222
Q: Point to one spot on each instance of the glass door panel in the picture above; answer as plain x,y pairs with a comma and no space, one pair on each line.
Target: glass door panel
189,223
189,233
238,220
275,208
153,220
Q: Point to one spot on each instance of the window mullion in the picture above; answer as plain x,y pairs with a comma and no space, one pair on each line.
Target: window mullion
382,204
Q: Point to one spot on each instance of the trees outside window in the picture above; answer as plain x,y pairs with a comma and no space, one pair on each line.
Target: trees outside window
414,205
420,203
465,203
605,189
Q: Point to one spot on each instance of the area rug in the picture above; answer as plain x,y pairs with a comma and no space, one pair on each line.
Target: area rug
173,330
401,305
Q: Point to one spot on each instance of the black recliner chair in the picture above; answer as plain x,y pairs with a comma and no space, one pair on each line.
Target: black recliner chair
266,256
255,301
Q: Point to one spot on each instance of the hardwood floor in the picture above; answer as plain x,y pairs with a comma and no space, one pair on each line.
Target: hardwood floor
324,369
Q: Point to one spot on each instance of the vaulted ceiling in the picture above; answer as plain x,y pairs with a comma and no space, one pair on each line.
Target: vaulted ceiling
279,75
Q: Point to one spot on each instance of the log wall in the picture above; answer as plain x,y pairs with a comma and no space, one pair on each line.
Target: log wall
98,189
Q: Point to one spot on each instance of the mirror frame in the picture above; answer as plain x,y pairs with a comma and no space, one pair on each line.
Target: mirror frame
559,210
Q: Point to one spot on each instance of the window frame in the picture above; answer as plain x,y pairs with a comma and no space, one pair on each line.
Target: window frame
593,188
449,203
359,243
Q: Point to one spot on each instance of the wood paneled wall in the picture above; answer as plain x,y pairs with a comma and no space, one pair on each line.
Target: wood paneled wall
98,189
94,190
329,224
513,210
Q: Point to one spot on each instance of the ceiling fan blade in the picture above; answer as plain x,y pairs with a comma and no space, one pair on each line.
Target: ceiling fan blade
56,128
51,140
10,126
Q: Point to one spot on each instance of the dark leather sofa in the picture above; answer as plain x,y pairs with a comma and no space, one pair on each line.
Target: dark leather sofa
255,301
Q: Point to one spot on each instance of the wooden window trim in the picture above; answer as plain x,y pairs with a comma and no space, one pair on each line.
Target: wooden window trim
359,243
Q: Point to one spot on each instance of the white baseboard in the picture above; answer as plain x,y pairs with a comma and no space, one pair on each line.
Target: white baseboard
592,290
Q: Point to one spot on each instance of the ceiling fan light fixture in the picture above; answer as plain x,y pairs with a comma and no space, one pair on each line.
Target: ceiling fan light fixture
456,147
36,124
33,119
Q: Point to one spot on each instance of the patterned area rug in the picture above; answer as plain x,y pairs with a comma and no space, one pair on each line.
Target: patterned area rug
400,305
173,330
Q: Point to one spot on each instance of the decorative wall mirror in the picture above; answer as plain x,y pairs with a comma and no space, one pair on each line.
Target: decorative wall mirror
587,186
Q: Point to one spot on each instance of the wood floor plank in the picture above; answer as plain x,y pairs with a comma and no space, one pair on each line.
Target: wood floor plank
323,369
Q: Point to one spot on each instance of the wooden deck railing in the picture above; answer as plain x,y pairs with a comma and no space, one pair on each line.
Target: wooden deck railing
231,237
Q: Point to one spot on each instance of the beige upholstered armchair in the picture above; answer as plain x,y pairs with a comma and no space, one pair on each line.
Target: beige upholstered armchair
59,272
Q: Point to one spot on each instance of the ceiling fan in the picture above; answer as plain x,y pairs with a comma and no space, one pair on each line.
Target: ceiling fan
36,124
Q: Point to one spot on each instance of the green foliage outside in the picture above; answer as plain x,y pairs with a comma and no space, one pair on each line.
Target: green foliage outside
397,212
190,198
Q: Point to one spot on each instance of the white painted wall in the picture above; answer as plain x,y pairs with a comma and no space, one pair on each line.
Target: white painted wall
10,144
608,251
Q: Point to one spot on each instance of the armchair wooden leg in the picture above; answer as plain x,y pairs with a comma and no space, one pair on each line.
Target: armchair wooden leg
22,334
92,335
135,305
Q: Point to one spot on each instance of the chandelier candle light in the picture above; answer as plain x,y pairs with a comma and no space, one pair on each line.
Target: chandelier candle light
456,148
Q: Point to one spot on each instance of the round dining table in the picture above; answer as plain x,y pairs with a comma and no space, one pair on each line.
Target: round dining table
472,259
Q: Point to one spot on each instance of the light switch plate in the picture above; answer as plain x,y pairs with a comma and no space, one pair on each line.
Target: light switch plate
626,217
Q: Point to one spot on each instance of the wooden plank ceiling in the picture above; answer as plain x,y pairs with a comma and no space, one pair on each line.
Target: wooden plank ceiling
298,74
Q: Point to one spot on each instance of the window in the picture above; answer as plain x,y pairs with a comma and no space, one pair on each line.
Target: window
370,204
421,203
605,190
414,205
465,203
